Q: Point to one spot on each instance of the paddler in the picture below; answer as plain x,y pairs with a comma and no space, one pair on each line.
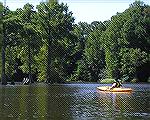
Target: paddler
116,84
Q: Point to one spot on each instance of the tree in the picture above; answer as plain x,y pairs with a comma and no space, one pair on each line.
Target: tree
94,51
136,34
46,42
112,41
131,60
3,12
92,63
30,37
12,30
127,32
1,29
56,22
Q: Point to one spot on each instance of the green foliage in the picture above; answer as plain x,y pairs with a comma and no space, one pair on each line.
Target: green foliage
148,80
131,59
1,29
47,41
55,21
41,63
107,81
127,31
82,73
94,52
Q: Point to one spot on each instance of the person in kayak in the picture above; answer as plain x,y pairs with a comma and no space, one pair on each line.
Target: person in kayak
116,84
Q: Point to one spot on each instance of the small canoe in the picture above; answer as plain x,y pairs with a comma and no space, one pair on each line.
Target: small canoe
107,88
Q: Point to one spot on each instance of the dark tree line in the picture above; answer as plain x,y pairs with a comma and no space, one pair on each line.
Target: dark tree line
46,45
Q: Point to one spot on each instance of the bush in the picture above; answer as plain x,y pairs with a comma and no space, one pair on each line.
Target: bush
106,81
148,80
134,80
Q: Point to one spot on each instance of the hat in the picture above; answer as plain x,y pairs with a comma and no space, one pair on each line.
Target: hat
117,80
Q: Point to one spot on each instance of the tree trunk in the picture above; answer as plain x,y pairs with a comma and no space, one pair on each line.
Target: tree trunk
29,61
4,81
9,63
49,61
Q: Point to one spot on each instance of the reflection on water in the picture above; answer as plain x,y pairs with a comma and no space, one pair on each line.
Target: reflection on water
124,105
73,102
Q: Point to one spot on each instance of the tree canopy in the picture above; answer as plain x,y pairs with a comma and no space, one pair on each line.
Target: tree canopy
47,43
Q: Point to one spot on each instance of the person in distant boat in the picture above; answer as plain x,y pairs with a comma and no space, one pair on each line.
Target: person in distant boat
116,84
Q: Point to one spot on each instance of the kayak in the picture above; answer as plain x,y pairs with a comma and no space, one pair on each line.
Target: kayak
107,88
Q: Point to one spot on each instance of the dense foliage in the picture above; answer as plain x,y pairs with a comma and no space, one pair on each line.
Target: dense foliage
48,44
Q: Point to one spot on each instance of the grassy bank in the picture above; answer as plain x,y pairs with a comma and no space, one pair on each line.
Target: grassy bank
107,81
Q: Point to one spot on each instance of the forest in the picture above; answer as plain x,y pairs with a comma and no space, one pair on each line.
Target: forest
45,45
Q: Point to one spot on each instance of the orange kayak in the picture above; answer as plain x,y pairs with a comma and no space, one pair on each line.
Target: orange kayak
107,88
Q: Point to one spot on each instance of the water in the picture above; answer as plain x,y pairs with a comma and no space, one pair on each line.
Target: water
73,102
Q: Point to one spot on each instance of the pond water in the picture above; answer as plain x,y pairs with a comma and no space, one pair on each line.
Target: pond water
73,102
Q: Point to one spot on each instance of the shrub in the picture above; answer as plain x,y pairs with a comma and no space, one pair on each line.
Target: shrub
107,80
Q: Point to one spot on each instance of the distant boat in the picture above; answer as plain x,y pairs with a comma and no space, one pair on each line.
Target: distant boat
121,89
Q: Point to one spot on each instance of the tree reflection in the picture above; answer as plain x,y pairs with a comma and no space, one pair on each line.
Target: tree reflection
33,103
59,102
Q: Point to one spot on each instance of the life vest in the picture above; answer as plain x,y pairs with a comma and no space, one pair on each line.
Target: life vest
118,84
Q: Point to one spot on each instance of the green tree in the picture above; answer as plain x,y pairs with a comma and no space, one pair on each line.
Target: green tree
12,29
3,14
136,35
111,43
1,29
131,59
30,39
91,65
94,52
56,22
127,30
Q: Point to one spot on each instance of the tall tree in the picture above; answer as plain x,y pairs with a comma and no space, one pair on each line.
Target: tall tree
127,30
1,16
1,29
30,38
56,22
91,62
3,13
94,52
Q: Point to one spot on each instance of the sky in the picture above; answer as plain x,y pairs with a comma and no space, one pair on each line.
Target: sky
84,10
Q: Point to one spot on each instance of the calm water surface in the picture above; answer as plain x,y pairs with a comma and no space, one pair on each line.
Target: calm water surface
73,102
